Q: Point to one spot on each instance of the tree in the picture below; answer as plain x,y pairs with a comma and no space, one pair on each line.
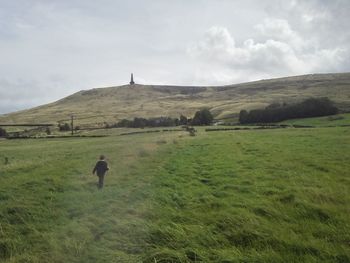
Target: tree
183,120
202,117
64,127
139,123
243,115
3,132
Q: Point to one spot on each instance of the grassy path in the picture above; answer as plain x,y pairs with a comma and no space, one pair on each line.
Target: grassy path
51,210
245,196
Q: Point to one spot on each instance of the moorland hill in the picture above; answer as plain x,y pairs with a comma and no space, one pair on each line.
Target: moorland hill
111,104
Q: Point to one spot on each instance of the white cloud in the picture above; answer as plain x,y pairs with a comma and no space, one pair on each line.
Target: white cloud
282,51
280,30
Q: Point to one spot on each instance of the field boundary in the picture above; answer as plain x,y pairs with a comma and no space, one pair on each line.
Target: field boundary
56,137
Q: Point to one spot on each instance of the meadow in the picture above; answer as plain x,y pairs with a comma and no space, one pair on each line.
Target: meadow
325,121
228,196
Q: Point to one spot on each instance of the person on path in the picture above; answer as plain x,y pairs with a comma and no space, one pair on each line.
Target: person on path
101,169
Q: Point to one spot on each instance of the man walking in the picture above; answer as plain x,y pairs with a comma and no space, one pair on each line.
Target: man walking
100,169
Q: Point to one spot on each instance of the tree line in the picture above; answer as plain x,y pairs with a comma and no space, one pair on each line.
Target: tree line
201,117
276,112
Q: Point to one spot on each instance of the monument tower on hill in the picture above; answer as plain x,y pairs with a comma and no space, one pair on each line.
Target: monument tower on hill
132,79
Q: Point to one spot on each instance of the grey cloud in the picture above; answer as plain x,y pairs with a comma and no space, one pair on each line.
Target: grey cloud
20,94
50,49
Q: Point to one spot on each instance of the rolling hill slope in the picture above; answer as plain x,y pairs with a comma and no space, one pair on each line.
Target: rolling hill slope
114,103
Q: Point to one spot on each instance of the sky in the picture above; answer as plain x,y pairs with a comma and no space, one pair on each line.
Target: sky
50,49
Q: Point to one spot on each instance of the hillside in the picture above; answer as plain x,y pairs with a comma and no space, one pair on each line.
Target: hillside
114,103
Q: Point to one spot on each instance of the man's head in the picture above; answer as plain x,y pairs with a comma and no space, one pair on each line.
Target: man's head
102,157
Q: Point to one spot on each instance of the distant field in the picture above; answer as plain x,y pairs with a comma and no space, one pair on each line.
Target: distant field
230,196
335,120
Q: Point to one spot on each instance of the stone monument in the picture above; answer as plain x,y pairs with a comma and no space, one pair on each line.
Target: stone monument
132,79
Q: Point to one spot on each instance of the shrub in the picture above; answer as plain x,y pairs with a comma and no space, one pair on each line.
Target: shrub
202,117
151,122
3,132
183,120
64,127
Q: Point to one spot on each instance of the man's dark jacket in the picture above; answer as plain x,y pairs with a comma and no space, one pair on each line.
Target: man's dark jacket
101,168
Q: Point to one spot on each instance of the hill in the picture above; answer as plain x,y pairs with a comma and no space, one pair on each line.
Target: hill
128,101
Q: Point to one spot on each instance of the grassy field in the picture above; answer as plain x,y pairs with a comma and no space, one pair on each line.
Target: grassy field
232,196
334,120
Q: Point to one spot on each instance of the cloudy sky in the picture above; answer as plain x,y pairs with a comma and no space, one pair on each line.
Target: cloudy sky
52,48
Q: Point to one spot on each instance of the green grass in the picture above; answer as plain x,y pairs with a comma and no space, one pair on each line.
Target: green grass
234,196
51,210
270,196
334,120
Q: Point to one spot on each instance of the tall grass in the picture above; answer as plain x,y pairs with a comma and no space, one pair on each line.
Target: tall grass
257,196
242,196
